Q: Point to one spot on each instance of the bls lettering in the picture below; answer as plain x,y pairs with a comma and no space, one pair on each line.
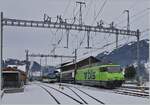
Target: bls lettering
89,74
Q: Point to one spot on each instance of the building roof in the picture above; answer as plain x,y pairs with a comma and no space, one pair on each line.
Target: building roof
80,63
20,67
13,69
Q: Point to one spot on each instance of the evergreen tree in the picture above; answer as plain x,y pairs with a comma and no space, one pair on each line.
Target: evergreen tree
130,72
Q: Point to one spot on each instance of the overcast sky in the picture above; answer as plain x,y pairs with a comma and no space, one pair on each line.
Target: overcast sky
17,39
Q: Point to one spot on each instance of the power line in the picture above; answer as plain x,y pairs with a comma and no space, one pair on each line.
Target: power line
80,13
65,11
133,16
58,42
101,9
135,19
111,43
90,4
129,8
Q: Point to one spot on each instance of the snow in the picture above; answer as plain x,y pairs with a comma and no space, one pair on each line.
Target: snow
33,94
36,73
147,66
112,98
130,43
20,67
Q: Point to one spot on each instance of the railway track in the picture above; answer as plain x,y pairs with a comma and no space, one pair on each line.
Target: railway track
126,91
77,95
86,94
50,94
41,85
132,92
135,90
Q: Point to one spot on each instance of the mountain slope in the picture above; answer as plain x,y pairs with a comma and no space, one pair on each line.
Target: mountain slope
126,55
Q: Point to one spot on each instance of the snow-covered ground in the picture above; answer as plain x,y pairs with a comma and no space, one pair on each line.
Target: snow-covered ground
34,94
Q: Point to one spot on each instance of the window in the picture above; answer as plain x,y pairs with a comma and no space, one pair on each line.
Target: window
114,69
103,69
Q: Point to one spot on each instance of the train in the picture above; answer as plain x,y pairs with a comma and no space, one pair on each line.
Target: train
51,78
107,75
67,76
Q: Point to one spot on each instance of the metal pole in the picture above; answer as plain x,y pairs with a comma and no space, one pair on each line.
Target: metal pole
88,39
128,24
40,68
75,65
117,36
128,19
67,31
45,61
27,62
80,14
138,58
61,70
1,32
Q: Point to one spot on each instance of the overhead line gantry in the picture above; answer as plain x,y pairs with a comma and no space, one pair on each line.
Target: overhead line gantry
66,26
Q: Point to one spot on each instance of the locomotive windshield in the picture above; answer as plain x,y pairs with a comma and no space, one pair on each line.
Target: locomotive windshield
114,69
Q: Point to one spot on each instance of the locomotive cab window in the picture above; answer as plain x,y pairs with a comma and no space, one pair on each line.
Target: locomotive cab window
103,69
114,69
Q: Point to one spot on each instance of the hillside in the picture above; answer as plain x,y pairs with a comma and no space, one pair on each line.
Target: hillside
126,55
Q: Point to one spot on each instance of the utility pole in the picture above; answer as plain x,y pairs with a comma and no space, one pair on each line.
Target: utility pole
138,58
61,70
117,36
41,67
46,67
128,19
88,39
45,61
67,32
80,14
75,62
27,62
1,32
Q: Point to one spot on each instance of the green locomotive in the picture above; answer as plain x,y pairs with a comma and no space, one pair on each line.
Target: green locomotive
108,76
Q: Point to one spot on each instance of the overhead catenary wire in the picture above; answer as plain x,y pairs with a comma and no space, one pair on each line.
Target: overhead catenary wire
89,6
67,6
106,45
58,42
111,43
133,5
134,20
100,10
135,15
81,42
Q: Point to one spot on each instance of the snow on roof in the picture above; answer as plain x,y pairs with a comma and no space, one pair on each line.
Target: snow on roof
20,67
36,74
80,60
